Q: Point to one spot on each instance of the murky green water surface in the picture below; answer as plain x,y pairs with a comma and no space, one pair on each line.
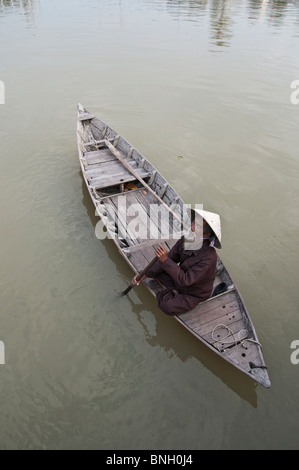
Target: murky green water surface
206,80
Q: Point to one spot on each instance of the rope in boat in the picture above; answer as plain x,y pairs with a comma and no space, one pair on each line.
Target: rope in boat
233,342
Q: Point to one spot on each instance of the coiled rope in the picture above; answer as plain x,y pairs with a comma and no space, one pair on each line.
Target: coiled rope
221,342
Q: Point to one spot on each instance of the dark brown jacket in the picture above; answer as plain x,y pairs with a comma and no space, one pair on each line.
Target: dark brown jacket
190,273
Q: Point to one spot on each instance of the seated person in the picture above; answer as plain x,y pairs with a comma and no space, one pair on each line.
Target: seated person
186,274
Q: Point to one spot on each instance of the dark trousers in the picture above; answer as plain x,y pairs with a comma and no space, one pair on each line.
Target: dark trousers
171,301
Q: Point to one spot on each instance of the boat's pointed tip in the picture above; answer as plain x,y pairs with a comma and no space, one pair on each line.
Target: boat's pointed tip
267,383
261,376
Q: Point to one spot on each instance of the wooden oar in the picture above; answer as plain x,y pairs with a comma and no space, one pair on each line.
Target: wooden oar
148,267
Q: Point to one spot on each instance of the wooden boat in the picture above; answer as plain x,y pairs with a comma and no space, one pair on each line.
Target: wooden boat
117,176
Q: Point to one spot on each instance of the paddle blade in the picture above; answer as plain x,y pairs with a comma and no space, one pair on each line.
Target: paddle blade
125,292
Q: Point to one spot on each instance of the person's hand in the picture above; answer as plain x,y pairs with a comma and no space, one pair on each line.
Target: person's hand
134,281
161,253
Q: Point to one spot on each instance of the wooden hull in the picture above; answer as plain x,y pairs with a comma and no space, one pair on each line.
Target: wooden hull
222,322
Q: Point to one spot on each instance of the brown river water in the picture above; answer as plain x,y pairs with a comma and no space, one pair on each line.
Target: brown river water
208,91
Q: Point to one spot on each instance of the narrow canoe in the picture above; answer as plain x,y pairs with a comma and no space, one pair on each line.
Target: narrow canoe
116,189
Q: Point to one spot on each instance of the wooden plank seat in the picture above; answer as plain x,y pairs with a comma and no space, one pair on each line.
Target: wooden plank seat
85,117
96,143
99,156
103,169
121,176
108,168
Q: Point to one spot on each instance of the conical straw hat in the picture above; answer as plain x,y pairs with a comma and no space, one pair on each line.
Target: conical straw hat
214,222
